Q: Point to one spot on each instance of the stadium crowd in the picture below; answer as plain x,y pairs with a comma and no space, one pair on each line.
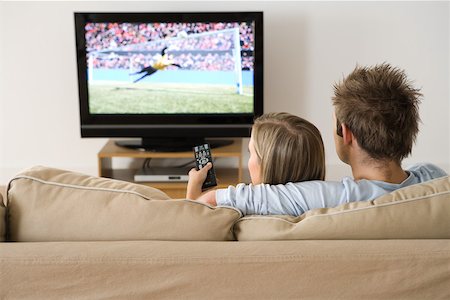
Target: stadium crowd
133,46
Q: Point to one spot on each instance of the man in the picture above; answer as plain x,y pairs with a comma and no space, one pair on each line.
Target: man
376,117
161,63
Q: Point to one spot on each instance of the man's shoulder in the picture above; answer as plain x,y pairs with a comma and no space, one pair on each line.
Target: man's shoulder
426,171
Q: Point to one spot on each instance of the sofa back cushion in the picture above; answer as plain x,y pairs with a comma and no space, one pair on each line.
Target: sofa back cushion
419,211
46,204
2,219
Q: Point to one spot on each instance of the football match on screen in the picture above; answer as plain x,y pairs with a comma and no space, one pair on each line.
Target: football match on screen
170,68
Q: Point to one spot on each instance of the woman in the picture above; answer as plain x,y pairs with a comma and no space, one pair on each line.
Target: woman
283,148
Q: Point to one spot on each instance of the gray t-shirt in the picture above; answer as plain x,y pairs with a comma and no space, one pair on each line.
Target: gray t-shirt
296,198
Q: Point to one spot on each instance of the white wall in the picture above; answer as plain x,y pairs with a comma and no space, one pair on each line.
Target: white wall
308,46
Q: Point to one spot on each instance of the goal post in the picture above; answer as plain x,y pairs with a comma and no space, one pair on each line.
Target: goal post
237,61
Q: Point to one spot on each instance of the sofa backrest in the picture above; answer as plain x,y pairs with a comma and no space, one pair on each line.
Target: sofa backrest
46,204
420,211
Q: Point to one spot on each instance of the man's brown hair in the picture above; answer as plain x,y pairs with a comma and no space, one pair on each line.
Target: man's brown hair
380,107
289,149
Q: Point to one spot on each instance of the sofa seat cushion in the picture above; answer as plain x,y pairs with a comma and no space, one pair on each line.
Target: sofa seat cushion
419,211
46,204
387,269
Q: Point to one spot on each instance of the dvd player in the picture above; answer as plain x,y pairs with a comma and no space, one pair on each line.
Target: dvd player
162,174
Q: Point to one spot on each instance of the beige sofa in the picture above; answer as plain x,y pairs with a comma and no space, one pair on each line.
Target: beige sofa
73,236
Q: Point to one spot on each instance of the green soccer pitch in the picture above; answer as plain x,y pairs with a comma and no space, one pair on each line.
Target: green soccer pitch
167,98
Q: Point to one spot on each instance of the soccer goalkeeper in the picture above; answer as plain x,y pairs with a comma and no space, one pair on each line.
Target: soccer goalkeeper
161,63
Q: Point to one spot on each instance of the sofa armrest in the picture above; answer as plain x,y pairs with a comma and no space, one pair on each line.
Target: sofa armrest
2,219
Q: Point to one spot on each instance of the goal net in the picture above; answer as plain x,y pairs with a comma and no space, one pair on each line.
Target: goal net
209,51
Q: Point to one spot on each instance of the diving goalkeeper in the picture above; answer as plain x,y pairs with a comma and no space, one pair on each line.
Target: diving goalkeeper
161,63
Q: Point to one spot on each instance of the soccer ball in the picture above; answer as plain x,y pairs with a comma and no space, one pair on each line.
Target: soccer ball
182,35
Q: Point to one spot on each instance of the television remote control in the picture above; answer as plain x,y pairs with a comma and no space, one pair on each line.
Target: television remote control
202,155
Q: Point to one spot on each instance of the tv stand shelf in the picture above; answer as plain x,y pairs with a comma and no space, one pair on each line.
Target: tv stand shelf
225,176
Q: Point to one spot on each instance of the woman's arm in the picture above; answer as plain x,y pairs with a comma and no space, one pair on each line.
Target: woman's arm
208,198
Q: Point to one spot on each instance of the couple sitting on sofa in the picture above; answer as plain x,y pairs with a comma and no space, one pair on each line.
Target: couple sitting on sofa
376,117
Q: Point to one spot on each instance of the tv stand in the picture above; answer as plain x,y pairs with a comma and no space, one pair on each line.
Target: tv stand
176,190
180,144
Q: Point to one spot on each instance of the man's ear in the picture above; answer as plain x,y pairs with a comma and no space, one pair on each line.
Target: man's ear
347,134
338,128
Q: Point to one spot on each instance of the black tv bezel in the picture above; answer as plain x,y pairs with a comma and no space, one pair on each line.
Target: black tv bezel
167,125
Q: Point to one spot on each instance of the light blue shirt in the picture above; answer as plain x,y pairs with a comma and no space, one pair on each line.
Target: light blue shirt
296,198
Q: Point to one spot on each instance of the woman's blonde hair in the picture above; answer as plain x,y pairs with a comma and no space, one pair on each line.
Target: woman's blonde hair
289,149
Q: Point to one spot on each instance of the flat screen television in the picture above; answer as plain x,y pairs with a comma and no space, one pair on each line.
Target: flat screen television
170,79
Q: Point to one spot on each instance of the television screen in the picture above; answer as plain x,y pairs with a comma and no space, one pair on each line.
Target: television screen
161,74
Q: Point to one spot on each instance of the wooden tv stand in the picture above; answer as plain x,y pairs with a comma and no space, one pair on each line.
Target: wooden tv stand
225,176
